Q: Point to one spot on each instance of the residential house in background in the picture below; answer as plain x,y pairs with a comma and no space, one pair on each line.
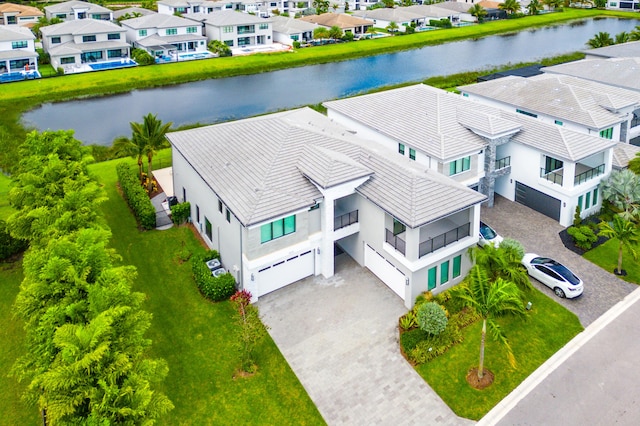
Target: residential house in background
381,18
72,10
625,5
18,14
18,57
623,153
288,30
297,187
172,7
165,36
131,12
86,45
346,23
235,29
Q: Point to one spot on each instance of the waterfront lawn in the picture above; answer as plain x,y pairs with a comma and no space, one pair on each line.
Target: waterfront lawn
606,257
195,336
547,328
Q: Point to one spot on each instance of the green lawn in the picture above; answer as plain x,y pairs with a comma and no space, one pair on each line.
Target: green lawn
194,336
606,257
547,328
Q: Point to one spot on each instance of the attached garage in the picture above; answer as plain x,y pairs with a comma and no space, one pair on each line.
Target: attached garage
285,272
539,201
384,270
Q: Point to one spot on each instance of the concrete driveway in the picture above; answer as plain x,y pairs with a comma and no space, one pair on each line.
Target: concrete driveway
539,234
340,337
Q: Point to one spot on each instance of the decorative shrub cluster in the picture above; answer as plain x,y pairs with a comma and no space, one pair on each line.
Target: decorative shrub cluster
142,57
583,236
180,212
9,245
431,318
136,197
213,288
440,23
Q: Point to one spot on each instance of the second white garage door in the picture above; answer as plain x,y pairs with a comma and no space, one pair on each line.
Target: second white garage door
384,270
285,272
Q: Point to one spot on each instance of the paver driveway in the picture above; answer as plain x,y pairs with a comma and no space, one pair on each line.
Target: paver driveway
539,234
340,337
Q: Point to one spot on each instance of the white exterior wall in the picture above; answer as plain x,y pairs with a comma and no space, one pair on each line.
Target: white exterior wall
5,46
215,33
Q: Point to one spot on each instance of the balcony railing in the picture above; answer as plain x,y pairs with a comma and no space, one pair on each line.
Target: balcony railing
503,162
554,176
589,174
397,242
345,220
443,240
246,30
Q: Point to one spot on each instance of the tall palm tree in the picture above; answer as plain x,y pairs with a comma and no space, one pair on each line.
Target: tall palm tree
601,39
478,11
626,232
503,263
622,191
125,147
510,6
150,133
534,7
490,300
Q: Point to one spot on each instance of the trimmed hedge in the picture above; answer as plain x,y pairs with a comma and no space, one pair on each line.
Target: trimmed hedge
136,197
180,212
9,245
213,288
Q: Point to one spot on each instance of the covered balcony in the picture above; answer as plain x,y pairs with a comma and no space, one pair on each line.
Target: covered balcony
583,173
444,239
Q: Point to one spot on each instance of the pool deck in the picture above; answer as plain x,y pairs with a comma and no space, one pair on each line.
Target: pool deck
86,67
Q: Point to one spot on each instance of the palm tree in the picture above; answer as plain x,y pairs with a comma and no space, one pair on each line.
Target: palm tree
150,134
622,37
626,232
534,7
510,6
392,27
125,147
553,4
503,263
478,11
601,39
634,35
622,191
490,300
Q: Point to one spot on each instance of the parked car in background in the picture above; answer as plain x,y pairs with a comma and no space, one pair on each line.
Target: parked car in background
554,275
488,236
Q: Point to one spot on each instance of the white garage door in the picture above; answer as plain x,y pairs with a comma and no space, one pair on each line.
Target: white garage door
285,272
384,270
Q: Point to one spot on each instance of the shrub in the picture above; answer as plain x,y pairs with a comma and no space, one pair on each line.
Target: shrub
296,45
411,338
348,36
464,318
136,197
142,57
9,245
577,220
213,288
441,23
219,48
180,212
408,321
513,247
434,346
442,298
583,236
60,71
431,318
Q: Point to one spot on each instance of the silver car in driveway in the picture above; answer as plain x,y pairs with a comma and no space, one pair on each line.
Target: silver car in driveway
554,275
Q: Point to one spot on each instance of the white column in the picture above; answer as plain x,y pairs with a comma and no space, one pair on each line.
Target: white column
326,245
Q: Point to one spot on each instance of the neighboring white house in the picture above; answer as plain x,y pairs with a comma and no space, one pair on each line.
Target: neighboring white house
288,30
381,18
573,103
161,35
17,14
547,167
82,45
276,194
627,5
235,29
17,50
131,12
172,7
72,10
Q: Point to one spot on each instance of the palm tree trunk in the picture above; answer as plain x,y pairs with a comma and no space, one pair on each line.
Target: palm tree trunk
620,258
150,176
140,168
484,334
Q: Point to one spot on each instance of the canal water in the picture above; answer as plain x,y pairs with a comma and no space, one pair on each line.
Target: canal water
100,120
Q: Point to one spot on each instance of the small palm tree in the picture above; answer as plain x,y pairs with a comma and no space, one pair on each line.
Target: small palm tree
510,6
502,262
125,147
150,134
392,27
601,39
534,7
478,11
626,232
622,37
490,300
634,35
622,191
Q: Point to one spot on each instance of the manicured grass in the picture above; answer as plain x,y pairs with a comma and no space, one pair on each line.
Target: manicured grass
606,257
5,208
547,328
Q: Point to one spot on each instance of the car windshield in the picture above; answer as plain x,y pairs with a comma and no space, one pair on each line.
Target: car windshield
487,232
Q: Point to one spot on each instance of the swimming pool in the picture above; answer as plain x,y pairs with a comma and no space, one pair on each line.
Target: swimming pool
199,55
120,63
18,76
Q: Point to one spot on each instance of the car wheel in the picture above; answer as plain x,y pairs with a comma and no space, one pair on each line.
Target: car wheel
558,291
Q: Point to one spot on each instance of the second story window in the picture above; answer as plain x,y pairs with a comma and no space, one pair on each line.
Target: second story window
142,33
607,133
246,29
459,166
114,36
228,29
88,38
398,227
192,30
401,148
264,26
19,44
277,229
171,31
55,40
412,153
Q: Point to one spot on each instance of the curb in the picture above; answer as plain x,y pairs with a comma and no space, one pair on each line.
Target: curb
510,401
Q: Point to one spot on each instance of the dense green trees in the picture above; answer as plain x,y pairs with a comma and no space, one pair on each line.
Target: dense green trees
86,355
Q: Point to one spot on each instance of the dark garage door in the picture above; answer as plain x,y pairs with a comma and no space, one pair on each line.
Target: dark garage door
538,201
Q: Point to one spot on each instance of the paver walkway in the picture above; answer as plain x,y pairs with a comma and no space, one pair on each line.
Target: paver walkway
539,234
340,337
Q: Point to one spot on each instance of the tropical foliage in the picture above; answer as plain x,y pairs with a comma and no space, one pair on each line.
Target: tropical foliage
478,11
510,6
150,135
431,318
502,262
626,232
601,39
250,329
622,191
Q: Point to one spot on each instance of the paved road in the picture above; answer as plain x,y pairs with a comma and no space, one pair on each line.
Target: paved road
539,234
339,335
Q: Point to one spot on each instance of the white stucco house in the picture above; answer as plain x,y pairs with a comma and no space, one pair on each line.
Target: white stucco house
381,18
162,35
18,56
288,30
72,10
172,7
547,167
235,29
276,194
86,45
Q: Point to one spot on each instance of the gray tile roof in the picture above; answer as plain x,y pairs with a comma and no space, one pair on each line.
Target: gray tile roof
397,14
17,54
81,26
419,116
69,5
258,168
15,33
564,97
623,153
431,11
226,17
623,50
282,24
618,72
131,10
157,20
